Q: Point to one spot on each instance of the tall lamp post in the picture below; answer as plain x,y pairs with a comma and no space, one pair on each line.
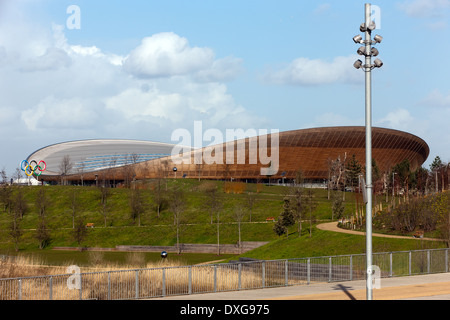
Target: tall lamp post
368,51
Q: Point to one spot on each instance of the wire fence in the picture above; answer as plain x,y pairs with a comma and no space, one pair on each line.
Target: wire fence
240,275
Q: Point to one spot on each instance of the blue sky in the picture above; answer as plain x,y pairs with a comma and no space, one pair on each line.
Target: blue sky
141,69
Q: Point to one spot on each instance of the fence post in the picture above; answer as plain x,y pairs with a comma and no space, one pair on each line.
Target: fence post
286,280
164,282
329,269
215,278
308,271
50,297
81,288
239,275
390,264
446,260
263,270
136,284
351,267
190,280
428,260
409,264
20,289
109,285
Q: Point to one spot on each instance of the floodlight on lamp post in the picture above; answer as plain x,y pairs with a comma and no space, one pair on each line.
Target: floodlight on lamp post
367,27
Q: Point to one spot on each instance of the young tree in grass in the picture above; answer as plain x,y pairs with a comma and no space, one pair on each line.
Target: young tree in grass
214,204
239,214
338,206
15,231
20,206
74,203
250,203
177,204
5,192
158,194
353,170
104,206
80,232
213,200
296,200
310,206
285,220
42,233
137,204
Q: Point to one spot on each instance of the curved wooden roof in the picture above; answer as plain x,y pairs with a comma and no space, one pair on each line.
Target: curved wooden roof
306,149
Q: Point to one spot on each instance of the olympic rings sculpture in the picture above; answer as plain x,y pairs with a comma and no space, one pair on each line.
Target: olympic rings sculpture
33,167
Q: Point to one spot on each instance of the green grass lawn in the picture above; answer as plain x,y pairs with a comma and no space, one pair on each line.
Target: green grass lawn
121,229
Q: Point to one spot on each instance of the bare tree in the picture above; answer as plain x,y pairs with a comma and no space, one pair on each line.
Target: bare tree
42,202
20,206
15,230
18,174
80,233
80,169
158,195
65,167
296,200
310,205
177,205
74,204
112,166
5,192
239,214
137,204
250,203
104,193
213,201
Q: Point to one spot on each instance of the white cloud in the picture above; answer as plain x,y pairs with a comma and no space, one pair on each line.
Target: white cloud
436,99
322,8
52,59
167,54
310,72
57,114
54,91
221,70
425,8
400,119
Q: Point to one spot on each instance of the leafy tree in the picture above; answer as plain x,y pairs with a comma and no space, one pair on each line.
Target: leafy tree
338,206
403,172
285,220
436,164
353,170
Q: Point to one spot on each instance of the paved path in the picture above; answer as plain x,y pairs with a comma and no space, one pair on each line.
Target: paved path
332,226
422,287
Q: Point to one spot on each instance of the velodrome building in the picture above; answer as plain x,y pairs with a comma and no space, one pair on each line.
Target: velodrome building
307,149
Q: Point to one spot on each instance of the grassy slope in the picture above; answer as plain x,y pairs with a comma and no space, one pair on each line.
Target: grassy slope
121,230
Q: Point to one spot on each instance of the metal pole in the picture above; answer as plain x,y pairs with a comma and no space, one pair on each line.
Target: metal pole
368,155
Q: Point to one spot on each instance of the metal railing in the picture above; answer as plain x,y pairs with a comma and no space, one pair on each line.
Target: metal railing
169,281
